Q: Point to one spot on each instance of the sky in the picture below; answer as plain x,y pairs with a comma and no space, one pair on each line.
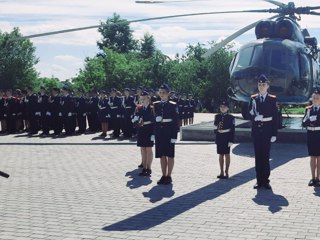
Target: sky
63,55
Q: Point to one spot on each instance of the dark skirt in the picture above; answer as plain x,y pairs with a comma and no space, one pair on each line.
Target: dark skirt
222,141
313,140
102,115
164,147
144,136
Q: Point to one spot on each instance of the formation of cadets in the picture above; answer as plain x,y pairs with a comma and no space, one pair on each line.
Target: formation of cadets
63,112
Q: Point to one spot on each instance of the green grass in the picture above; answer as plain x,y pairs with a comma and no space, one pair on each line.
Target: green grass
294,110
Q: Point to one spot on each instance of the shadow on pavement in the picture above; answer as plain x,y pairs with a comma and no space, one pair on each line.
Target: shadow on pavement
136,180
168,210
317,191
157,193
273,201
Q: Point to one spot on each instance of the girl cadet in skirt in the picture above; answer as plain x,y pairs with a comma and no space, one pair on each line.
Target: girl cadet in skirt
225,127
311,121
104,112
166,130
144,122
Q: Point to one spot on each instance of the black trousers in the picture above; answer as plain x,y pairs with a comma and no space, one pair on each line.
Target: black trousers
127,126
45,123
82,122
262,147
57,124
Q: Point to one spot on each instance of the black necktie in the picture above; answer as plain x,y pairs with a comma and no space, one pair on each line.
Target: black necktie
261,98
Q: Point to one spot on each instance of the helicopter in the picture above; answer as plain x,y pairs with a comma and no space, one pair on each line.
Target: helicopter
282,51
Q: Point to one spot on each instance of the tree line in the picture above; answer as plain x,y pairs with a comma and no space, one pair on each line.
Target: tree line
121,61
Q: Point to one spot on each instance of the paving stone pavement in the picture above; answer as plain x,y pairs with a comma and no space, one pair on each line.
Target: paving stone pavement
83,187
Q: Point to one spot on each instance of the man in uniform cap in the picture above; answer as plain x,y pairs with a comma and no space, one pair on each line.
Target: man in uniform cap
128,106
263,112
115,112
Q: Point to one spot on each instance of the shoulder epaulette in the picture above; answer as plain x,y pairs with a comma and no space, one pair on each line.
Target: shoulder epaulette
172,102
156,102
255,95
308,107
273,96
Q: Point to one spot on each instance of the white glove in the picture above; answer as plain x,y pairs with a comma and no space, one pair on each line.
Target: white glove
69,114
173,140
313,118
60,114
136,118
258,118
38,113
152,138
48,113
273,139
84,114
118,116
230,144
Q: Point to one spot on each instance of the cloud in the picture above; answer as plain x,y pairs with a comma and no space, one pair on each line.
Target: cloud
171,35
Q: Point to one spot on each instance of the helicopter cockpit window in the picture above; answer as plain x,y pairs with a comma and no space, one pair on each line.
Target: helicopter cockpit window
304,67
243,58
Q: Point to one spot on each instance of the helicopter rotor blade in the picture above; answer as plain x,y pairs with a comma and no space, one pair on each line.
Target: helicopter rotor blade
145,20
231,37
156,2
314,13
279,4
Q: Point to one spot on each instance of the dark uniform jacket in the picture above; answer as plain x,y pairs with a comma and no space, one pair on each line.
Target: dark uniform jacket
311,111
128,106
225,124
267,108
166,114
115,107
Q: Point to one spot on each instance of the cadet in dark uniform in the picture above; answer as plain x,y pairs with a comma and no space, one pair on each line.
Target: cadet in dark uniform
104,112
68,112
185,109
263,112
55,111
192,107
225,126
10,112
180,104
93,120
81,111
115,112
311,121
44,109
137,96
166,130
33,111
152,96
3,124
144,121
20,109
128,111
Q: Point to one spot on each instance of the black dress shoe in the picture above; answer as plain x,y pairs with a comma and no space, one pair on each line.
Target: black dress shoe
256,186
168,180
312,182
317,183
140,166
162,180
267,186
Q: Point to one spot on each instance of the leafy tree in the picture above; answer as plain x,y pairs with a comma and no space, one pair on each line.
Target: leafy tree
17,60
47,83
117,35
148,47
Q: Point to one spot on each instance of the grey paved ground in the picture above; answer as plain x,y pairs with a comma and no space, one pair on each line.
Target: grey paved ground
79,188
